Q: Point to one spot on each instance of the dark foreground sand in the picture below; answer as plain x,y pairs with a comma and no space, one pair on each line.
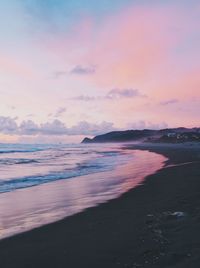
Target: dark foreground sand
154,225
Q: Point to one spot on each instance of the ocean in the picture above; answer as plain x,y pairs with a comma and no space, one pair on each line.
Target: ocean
40,184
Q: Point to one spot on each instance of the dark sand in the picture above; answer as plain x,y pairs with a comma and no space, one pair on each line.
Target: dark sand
139,229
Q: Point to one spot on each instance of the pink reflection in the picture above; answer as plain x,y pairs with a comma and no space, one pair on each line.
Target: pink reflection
25,209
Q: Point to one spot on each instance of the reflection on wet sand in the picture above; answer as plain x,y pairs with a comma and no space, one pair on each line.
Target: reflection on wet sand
24,209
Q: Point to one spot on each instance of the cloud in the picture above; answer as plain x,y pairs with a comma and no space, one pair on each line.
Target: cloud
147,125
54,128
85,98
28,128
168,102
113,94
83,70
8,125
60,111
49,128
123,93
77,70
85,128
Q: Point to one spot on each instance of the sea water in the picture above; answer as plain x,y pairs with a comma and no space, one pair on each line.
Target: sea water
40,184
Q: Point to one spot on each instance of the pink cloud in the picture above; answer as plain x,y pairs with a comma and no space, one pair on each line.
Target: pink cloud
140,47
128,46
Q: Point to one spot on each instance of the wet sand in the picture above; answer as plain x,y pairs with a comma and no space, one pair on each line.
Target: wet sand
156,224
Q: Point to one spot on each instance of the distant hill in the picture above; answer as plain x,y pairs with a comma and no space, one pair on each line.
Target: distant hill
166,135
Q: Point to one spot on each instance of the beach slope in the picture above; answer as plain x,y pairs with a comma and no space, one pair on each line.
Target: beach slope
154,225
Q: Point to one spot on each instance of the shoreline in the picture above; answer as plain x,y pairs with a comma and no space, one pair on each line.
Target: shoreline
50,202
156,223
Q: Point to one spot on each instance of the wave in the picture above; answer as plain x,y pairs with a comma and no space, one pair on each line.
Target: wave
93,166
7,151
55,162
11,161
85,168
30,181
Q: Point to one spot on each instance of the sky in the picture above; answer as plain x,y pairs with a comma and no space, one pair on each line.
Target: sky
75,68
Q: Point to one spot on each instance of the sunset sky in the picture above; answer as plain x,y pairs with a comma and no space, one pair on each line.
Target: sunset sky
74,68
